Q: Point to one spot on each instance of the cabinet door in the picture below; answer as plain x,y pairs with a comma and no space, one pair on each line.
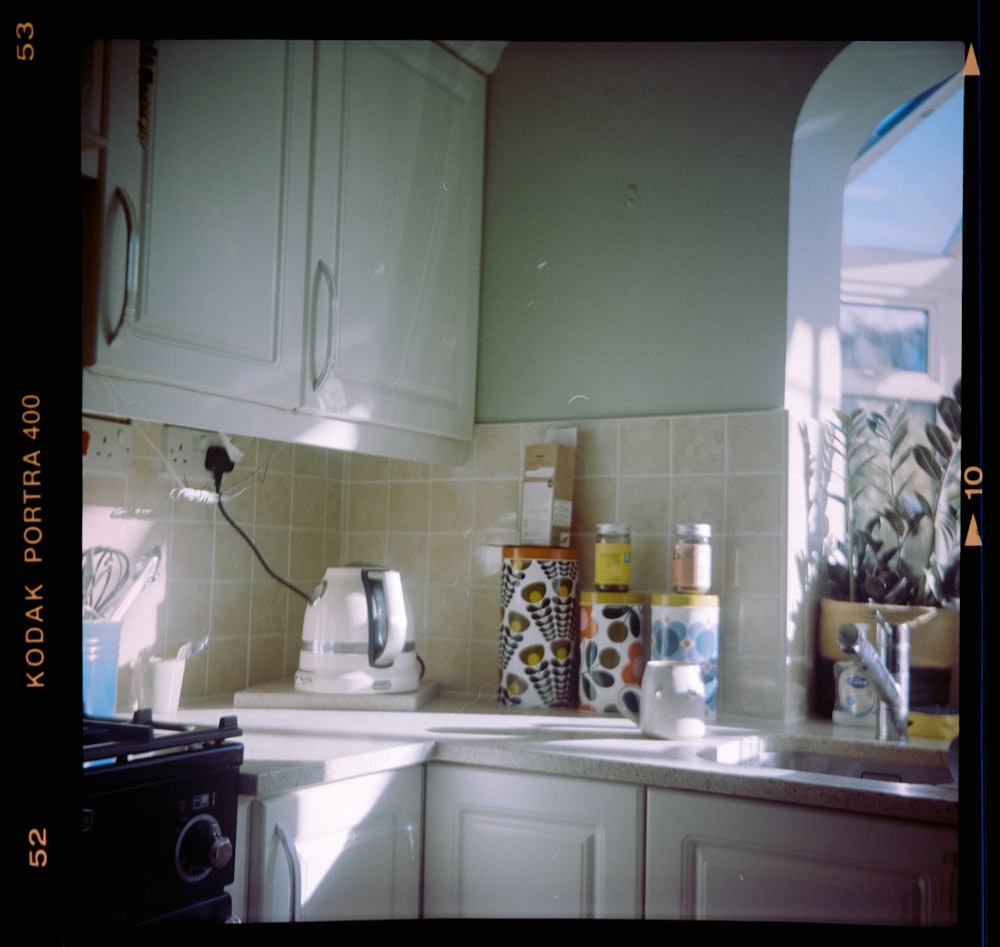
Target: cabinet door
204,265
515,845
349,850
718,858
395,242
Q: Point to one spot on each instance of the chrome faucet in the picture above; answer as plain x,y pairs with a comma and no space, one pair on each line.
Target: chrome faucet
887,670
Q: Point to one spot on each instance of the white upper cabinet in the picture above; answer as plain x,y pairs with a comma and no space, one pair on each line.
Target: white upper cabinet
395,237
293,252
203,283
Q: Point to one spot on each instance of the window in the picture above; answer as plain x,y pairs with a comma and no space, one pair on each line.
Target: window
877,338
900,308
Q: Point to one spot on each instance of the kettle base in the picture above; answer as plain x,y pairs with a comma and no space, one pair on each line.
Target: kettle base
392,680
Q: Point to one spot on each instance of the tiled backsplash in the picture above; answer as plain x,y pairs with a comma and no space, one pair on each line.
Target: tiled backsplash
443,528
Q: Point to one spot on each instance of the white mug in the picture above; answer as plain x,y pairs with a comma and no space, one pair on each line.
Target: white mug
671,701
158,684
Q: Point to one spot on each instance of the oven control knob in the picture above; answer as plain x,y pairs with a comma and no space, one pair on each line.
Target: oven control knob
201,848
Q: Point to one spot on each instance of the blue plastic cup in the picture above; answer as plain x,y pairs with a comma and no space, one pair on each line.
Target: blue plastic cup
101,640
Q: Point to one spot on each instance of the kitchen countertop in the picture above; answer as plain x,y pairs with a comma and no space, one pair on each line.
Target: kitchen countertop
286,749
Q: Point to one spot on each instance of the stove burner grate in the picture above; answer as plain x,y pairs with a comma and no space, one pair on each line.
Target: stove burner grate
105,738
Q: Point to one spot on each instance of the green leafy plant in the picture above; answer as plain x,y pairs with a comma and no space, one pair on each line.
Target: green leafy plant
901,507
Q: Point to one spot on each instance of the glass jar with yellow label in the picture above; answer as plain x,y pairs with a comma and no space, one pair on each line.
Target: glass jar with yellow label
613,557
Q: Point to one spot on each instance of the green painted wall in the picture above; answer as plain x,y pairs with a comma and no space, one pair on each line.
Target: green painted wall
636,227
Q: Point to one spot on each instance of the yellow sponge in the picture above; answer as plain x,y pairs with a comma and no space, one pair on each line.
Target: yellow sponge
935,726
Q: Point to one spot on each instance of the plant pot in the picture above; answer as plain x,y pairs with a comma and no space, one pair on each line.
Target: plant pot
934,635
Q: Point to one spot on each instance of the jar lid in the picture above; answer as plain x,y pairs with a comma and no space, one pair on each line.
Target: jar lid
539,552
694,529
591,597
614,528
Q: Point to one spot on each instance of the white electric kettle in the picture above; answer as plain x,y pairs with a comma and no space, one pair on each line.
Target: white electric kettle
355,636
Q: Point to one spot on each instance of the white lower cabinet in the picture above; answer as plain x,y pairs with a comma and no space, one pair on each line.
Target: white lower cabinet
517,845
721,858
347,850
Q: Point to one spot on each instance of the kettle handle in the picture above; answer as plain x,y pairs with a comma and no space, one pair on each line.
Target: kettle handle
386,616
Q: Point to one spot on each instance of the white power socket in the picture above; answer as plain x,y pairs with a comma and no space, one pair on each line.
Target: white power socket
107,445
184,449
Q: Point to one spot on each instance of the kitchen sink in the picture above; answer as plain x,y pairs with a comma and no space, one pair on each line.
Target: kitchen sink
895,763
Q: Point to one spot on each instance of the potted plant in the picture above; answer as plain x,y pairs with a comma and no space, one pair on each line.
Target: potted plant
901,546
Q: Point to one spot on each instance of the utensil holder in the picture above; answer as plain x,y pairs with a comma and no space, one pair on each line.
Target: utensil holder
101,642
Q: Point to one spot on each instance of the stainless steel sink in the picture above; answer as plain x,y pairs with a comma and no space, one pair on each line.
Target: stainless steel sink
897,764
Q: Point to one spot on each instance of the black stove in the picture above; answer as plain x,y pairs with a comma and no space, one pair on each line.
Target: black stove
159,820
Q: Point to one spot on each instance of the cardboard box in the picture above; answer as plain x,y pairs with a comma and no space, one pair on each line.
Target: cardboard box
547,495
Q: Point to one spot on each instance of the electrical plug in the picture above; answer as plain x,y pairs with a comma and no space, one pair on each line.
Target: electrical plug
218,462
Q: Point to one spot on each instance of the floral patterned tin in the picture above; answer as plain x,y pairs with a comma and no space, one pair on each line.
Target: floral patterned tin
538,658
612,647
685,628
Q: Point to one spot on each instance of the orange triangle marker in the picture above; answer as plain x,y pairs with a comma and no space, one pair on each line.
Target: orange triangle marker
972,537
971,64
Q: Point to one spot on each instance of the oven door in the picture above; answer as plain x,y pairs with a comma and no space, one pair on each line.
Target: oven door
161,850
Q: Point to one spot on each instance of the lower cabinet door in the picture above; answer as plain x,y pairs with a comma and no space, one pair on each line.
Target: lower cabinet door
517,845
348,850
720,858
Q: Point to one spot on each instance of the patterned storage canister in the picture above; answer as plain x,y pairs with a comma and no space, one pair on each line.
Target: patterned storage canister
539,614
685,628
612,648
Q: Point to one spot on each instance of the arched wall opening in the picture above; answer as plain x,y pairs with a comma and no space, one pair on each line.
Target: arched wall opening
859,87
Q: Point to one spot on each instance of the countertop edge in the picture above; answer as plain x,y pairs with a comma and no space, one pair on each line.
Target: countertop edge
292,749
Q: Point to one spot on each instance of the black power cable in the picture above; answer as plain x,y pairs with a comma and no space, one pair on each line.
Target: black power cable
218,462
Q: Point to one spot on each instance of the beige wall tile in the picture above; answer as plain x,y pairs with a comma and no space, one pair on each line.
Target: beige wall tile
597,449
309,502
409,505
274,499
595,500
368,507
754,503
408,470
308,461
497,451
447,661
408,554
366,547
701,499
230,610
644,502
497,505
192,550
273,543
448,613
443,527
644,446
754,563
362,467
754,443
307,558
452,505
450,559
233,558
697,444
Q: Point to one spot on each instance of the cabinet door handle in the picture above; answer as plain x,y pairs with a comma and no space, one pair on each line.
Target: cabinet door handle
333,308
294,879
131,266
